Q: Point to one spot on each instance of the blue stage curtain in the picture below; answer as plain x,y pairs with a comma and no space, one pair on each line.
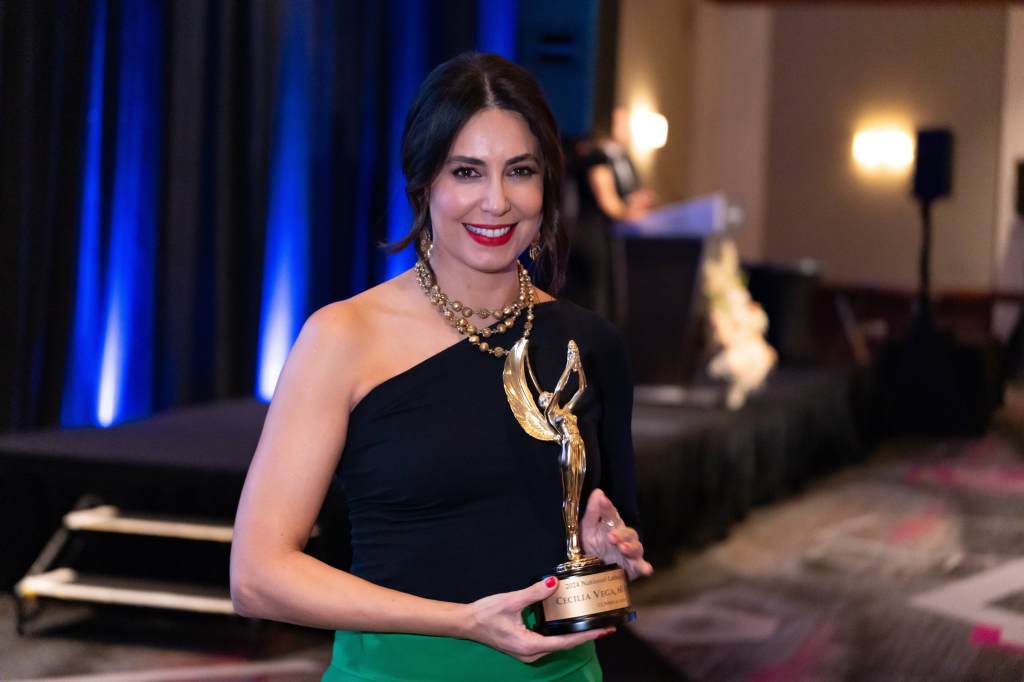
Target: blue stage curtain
45,51
126,350
286,254
79,405
145,160
497,27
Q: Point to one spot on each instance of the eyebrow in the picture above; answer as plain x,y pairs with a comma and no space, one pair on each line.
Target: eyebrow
471,161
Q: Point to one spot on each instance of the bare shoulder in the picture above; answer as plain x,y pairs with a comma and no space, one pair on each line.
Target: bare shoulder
352,321
349,337
335,324
329,338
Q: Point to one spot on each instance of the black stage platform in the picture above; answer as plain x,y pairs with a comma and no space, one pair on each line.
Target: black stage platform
698,469
701,470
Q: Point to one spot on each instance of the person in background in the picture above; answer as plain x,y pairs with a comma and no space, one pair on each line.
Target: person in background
609,191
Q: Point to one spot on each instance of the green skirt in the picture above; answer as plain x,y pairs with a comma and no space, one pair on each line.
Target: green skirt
382,657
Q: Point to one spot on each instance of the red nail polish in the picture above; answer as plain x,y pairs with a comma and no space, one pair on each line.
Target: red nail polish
550,582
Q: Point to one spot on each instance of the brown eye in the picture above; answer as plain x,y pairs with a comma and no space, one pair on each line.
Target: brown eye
523,172
465,172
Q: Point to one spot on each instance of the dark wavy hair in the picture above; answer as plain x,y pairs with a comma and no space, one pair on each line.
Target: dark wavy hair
447,99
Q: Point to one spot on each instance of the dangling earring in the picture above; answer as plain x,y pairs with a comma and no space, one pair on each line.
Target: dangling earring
426,244
535,250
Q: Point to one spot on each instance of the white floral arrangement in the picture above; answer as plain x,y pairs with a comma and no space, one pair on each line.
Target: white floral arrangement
742,357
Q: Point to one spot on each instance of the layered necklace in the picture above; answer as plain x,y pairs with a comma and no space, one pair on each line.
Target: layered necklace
459,316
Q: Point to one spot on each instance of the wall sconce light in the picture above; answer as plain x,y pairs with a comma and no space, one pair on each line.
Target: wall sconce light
648,129
883,150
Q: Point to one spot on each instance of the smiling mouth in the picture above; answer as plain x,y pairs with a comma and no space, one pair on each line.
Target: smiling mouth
490,235
489,230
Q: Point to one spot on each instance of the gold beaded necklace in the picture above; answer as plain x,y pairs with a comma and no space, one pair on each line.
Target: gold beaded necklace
458,315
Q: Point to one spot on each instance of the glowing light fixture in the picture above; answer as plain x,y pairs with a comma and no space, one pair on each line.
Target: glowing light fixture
648,129
887,149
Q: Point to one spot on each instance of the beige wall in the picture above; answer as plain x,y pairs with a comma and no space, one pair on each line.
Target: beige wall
653,71
1012,135
728,128
763,102
705,67
1009,241
836,67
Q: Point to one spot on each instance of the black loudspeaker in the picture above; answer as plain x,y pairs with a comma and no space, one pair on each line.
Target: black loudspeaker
933,165
1020,188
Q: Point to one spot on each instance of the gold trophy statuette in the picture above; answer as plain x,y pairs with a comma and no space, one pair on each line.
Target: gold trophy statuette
591,594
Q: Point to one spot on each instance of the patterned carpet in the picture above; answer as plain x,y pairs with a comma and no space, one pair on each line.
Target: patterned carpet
908,568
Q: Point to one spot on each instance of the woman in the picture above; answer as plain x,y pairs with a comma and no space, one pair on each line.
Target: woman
608,192
454,510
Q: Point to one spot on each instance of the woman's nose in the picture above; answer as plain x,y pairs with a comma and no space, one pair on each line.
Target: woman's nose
496,202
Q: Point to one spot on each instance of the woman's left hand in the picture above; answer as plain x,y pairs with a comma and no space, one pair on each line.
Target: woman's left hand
605,535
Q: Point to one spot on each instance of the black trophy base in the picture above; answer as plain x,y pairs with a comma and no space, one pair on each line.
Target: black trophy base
608,619
587,598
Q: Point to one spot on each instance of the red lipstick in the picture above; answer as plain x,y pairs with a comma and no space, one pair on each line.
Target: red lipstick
490,235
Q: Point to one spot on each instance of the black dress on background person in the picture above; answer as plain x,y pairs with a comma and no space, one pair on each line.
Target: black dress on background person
591,276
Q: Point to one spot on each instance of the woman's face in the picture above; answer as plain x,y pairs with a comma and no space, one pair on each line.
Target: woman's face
486,203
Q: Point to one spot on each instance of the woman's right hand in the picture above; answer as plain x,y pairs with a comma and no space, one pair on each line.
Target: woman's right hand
497,621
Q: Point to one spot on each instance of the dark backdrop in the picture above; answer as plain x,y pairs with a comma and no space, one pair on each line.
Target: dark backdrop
217,82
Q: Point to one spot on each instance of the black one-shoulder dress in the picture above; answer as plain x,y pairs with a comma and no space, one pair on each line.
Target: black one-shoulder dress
448,497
